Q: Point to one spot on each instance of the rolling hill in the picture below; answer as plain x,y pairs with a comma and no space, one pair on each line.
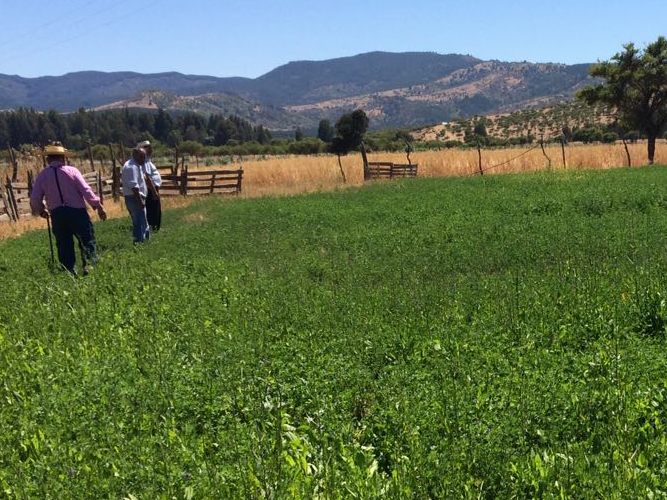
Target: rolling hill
406,89
545,122
272,117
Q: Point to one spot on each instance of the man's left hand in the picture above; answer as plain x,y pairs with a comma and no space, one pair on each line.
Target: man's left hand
102,213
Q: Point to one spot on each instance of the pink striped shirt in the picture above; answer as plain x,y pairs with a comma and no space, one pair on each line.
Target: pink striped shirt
75,191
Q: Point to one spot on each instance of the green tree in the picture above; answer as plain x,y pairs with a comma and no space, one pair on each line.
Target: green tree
163,125
191,147
146,123
636,87
325,131
609,137
4,133
263,135
306,146
480,129
223,132
59,125
567,133
174,138
350,130
298,134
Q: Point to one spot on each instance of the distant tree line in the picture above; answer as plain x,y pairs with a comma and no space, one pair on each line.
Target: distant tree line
218,135
75,130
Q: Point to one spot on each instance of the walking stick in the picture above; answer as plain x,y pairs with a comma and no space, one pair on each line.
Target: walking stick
48,225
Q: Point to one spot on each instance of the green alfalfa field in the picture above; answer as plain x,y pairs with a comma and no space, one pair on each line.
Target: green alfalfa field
497,337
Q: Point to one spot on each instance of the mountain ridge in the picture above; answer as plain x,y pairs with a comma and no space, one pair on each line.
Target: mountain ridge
396,89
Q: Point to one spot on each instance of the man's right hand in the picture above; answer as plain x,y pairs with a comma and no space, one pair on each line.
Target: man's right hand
139,198
45,214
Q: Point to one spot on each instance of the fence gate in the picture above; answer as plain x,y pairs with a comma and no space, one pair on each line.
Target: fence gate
202,182
386,169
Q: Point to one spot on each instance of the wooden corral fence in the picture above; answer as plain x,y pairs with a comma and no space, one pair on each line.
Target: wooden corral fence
186,182
385,169
102,186
15,196
202,182
170,177
172,168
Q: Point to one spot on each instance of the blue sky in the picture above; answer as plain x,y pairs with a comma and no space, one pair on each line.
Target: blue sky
249,38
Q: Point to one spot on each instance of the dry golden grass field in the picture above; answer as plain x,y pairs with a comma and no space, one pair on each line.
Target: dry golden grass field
302,174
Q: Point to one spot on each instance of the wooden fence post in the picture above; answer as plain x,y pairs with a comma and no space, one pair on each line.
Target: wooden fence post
90,157
184,181
113,157
562,146
12,199
479,154
31,181
174,169
100,188
115,178
15,164
364,157
238,182
121,158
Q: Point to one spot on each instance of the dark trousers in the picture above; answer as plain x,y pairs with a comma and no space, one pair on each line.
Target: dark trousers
153,211
70,223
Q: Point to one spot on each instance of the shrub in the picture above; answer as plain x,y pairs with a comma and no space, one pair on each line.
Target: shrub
609,137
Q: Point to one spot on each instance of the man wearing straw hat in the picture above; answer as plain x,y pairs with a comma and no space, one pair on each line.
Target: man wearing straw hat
153,182
66,194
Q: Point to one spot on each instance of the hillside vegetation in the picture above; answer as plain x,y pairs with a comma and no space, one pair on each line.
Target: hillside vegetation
550,122
489,337
206,105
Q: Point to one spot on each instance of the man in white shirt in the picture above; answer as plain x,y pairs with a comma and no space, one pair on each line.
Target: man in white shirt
135,191
153,203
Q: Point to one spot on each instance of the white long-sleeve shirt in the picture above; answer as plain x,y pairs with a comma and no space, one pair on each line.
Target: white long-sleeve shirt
132,176
152,172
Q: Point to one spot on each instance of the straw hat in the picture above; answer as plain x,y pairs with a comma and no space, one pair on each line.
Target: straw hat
57,149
